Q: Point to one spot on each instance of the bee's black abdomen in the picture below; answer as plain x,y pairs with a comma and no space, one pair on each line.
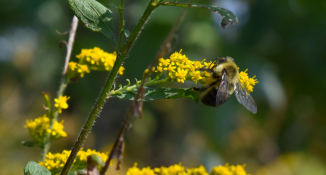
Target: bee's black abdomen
209,98
214,98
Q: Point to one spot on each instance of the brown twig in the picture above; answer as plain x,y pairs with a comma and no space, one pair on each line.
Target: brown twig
62,87
136,107
64,33
70,44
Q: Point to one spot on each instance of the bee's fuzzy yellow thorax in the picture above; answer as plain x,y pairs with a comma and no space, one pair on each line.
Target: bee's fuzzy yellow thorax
231,69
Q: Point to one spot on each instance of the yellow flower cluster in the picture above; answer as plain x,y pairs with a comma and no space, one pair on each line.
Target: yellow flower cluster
39,127
246,81
80,69
55,162
178,169
61,103
229,170
179,68
92,59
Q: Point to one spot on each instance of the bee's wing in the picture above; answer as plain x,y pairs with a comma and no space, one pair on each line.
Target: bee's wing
223,90
244,97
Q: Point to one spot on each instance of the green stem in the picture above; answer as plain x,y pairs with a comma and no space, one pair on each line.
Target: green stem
135,86
53,117
121,8
107,87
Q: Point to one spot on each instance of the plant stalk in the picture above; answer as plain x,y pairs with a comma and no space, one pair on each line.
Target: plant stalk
107,87
63,85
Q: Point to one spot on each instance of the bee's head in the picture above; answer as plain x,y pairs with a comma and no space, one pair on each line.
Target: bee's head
224,60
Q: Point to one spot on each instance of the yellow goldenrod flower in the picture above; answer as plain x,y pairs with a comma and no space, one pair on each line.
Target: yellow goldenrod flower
195,76
163,62
178,169
39,127
159,69
147,71
201,170
209,65
195,65
134,170
170,70
176,56
246,81
238,169
221,170
97,59
72,65
179,68
58,131
181,75
61,103
55,162
82,69
229,170
121,69
183,65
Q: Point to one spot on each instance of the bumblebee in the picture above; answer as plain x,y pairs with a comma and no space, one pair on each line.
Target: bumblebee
225,74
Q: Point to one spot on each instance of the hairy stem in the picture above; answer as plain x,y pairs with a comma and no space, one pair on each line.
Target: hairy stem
121,8
107,87
164,49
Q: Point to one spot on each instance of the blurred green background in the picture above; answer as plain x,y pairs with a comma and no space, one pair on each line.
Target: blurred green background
282,42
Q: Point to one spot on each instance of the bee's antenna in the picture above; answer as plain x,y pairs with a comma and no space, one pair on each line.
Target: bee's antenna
213,62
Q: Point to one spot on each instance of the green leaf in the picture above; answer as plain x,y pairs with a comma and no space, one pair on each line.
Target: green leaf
160,93
47,101
30,143
34,168
127,33
96,159
47,104
95,16
227,16
79,172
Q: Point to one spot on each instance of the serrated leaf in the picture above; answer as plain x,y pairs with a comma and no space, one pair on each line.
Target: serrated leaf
227,16
160,93
95,16
33,168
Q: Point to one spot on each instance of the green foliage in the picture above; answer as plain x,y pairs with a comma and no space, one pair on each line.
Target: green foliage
30,143
94,158
159,93
227,16
95,16
33,168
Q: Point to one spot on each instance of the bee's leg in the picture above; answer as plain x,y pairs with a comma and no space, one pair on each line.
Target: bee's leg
194,89
201,89
206,69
